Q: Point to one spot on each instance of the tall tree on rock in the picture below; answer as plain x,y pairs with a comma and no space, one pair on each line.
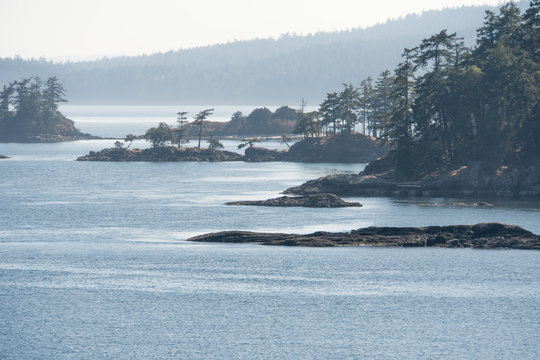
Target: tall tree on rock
399,127
199,119
53,94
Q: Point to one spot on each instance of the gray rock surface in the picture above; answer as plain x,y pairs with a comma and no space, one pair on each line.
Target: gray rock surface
161,154
472,180
482,236
314,200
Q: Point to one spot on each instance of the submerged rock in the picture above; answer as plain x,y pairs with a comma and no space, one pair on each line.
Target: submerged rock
483,236
315,200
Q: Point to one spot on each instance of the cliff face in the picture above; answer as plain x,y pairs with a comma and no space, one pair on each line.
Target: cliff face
482,236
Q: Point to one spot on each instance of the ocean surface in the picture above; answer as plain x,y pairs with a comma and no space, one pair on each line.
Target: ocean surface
94,264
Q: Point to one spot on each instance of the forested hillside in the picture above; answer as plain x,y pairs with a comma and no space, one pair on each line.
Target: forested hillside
263,71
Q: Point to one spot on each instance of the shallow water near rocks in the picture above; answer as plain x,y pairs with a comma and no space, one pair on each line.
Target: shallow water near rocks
94,264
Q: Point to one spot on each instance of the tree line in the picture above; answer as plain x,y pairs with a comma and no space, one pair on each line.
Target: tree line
446,103
247,72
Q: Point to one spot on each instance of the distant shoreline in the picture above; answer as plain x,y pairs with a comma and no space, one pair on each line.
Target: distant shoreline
48,138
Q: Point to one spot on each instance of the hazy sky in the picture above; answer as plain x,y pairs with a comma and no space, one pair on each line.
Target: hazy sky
85,29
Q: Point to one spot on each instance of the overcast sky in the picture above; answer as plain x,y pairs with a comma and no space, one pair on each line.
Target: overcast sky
86,29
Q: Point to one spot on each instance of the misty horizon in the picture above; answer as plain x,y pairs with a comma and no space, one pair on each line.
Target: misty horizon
86,42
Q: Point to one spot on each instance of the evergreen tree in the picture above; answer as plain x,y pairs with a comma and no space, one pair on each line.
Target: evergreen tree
53,94
367,106
381,101
199,119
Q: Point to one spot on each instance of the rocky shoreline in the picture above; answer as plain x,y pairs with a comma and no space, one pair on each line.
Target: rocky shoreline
475,179
47,138
314,200
338,149
161,154
479,236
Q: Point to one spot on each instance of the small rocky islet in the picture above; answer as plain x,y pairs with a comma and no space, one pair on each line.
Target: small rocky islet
161,154
360,149
479,236
313,200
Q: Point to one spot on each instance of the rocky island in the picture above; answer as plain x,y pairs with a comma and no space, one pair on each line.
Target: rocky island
158,154
35,116
329,150
479,236
314,200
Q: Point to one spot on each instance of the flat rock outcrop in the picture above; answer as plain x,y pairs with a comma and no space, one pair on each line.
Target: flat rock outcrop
314,200
161,154
481,236
475,179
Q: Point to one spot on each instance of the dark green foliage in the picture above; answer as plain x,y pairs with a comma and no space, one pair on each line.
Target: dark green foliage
214,144
129,139
262,121
309,125
249,142
286,140
339,113
199,119
450,104
286,113
159,136
180,136
29,107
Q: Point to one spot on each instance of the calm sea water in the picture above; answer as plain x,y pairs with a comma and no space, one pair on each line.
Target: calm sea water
94,264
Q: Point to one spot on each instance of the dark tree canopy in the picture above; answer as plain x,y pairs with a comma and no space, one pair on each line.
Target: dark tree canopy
450,104
29,108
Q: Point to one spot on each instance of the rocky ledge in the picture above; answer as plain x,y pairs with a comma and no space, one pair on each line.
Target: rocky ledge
161,154
475,179
4,156
315,200
482,236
